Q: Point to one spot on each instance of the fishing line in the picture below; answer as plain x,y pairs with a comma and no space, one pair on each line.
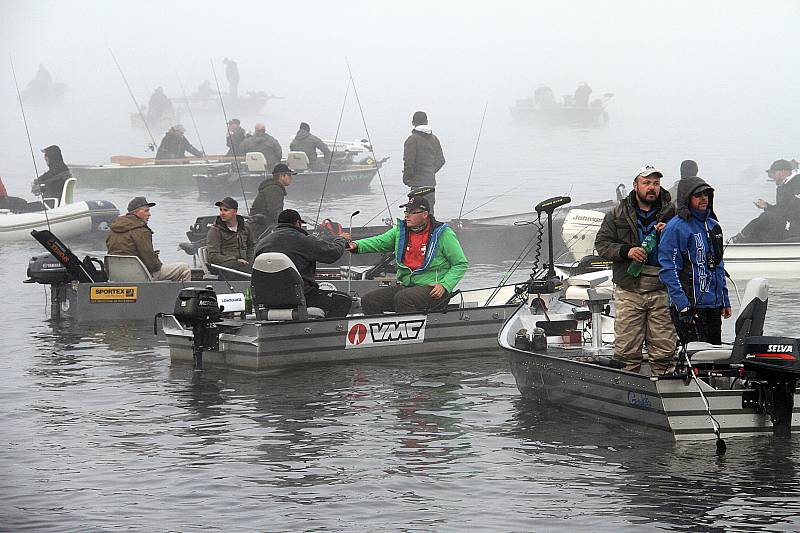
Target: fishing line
330,160
28,134
474,153
191,115
379,213
233,147
130,92
493,198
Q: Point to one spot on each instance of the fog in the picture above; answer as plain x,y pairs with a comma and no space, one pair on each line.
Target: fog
711,80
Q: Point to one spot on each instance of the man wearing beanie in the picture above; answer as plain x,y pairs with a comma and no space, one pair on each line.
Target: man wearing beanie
422,157
304,141
779,221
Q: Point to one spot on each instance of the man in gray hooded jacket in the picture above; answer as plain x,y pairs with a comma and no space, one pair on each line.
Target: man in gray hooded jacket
422,157
305,141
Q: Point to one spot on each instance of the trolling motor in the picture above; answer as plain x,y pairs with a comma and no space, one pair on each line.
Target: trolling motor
551,282
775,361
197,307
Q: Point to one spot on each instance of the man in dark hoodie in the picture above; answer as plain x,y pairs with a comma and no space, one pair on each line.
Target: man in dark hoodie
422,157
305,250
51,183
130,235
641,300
269,200
690,255
230,241
304,141
688,169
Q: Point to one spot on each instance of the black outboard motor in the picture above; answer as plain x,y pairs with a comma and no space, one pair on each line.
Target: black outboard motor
197,307
776,364
47,270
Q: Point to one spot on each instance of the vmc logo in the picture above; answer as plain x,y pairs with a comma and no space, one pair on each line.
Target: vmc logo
389,330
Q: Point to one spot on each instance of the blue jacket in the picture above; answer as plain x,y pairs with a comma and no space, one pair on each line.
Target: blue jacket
686,256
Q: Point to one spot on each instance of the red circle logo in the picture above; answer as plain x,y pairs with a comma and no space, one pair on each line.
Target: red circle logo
357,334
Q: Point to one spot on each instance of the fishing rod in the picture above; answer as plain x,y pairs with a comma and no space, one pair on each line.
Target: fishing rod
379,213
191,115
474,153
135,102
330,160
493,198
369,138
28,134
233,146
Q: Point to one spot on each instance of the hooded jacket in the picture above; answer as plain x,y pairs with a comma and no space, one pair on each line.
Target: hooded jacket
690,254
444,261
51,183
226,247
130,235
269,200
304,141
174,145
618,233
422,157
303,249
266,144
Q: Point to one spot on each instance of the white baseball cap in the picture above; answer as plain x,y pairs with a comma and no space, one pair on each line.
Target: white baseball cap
648,170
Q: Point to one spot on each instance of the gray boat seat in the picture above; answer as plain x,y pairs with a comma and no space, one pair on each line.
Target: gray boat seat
749,323
277,290
126,268
593,287
297,160
202,258
256,162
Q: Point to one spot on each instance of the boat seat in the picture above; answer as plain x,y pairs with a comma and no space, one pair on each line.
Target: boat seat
256,162
126,268
202,258
277,290
749,323
67,193
297,160
594,287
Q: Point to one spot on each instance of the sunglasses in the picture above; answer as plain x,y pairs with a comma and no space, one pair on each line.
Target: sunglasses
700,194
414,211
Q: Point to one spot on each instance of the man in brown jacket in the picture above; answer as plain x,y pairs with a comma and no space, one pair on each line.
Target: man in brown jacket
422,157
230,242
642,304
130,235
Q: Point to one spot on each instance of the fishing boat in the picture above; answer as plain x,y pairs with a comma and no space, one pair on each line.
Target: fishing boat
561,355
83,219
596,114
251,104
129,172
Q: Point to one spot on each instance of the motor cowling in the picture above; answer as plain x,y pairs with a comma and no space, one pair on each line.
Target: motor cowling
767,354
197,305
47,270
775,365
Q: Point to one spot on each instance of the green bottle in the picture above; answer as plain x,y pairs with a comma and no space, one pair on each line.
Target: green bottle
649,244
248,301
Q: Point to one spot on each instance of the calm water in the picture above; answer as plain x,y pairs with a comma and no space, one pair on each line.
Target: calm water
100,431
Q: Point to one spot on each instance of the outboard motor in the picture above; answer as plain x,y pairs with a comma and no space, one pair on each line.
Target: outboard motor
775,361
47,270
197,307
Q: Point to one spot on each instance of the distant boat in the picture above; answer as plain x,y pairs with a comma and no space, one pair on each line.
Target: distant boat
524,111
251,104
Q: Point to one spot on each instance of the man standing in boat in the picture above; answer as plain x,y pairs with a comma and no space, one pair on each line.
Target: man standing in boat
130,235
261,141
269,200
628,236
232,73
305,250
235,137
429,259
305,141
690,255
771,225
422,157
230,241
174,145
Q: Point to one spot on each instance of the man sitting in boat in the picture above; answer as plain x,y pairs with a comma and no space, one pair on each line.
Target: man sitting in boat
780,222
235,137
581,96
690,255
544,97
628,236
305,141
174,145
269,200
305,250
230,241
261,141
429,258
130,235
51,183
159,106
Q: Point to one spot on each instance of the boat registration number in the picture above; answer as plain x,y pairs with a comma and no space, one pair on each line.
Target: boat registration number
383,331
113,294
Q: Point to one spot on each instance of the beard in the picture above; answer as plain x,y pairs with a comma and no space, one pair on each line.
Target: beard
643,198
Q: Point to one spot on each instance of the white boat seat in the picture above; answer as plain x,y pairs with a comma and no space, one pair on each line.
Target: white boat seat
67,192
595,287
202,258
297,160
256,162
126,268
277,289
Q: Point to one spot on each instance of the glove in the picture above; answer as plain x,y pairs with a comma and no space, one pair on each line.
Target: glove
686,315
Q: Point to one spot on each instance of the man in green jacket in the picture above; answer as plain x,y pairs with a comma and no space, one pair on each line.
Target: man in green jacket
230,241
429,258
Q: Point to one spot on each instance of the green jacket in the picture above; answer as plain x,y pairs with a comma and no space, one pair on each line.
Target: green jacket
444,263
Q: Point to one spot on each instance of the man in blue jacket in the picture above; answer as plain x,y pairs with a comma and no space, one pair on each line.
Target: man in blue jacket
690,255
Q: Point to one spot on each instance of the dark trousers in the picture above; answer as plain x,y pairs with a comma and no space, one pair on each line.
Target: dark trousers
768,227
400,299
335,304
705,327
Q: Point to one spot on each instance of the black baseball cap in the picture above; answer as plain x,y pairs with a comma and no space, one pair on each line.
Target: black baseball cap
283,168
417,202
139,201
290,216
780,164
234,121
228,202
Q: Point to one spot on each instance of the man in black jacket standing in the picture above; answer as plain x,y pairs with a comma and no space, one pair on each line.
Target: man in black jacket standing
422,157
305,250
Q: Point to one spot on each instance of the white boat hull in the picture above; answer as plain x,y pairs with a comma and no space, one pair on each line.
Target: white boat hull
68,221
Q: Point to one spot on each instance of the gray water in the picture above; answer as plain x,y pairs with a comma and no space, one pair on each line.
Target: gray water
100,431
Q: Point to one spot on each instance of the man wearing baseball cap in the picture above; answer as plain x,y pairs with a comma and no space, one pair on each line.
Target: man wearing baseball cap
230,242
771,225
174,145
690,255
235,137
130,235
429,259
639,295
269,200
305,250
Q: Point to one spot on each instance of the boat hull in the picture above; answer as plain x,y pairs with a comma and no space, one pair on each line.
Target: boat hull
558,116
168,176
763,260
72,220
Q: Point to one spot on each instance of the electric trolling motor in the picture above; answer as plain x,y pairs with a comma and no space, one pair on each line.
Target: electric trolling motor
551,283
